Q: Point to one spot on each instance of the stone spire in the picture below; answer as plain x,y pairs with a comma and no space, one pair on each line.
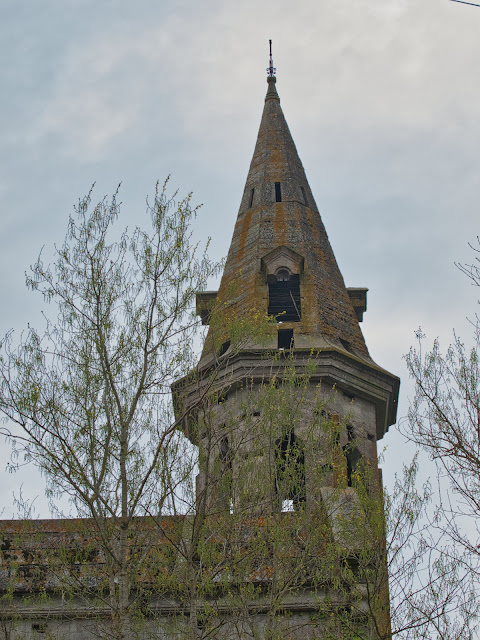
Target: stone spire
279,230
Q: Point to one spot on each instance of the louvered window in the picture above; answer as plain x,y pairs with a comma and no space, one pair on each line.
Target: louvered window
284,297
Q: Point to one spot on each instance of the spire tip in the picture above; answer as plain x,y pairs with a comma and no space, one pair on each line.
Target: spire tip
271,69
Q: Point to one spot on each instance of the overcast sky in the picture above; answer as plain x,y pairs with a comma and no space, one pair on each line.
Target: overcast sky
381,96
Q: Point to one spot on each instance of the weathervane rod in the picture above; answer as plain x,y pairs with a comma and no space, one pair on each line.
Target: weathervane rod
271,69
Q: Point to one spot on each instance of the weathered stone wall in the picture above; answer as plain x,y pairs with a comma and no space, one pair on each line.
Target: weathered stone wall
33,603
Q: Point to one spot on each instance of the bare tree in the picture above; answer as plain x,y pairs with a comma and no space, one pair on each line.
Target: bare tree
444,420
90,395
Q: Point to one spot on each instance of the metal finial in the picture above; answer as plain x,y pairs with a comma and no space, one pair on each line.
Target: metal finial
271,69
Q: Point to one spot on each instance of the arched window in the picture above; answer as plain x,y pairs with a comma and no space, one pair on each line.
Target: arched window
283,275
290,471
284,296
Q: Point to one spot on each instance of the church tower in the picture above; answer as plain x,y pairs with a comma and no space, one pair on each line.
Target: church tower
283,536
286,405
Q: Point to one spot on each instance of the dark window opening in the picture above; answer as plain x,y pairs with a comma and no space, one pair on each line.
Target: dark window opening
290,471
352,456
224,348
285,338
255,414
252,192
225,451
6,544
225,473
305,201
278,192
39,627
222,397
346,345
284,298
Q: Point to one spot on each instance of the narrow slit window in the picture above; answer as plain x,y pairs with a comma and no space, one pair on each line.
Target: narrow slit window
224,451
225,474
278,192
305,202
352,455
252,193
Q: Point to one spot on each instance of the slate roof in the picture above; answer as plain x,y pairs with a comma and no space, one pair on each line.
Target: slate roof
328,319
